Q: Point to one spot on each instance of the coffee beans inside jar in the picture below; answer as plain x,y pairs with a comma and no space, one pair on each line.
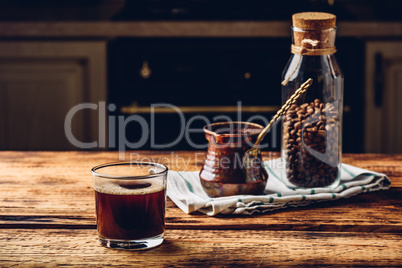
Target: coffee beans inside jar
311,144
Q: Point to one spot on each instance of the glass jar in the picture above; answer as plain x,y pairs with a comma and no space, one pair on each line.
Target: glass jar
312,128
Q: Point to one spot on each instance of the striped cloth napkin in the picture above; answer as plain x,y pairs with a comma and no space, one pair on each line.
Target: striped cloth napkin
185,189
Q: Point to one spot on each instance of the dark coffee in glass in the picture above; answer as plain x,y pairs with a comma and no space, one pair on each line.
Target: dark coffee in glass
131,210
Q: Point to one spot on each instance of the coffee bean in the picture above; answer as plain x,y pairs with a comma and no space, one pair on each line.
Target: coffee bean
308,125
317,140
321,133
311,126
320,166
291,158
312,146
313,169
304,105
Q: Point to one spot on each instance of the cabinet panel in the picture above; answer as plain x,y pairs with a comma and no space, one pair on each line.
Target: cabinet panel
39,83
383,116
37,97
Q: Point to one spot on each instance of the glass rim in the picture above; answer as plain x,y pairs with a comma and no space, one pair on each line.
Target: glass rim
315,30
208,128
130,177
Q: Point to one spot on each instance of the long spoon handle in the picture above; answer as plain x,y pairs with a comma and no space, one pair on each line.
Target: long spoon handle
292,100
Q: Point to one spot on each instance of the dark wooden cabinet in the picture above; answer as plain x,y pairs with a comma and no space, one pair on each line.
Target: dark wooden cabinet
383,97
203,67
40,82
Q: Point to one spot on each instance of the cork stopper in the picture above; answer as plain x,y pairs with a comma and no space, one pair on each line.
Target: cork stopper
314,20
315,29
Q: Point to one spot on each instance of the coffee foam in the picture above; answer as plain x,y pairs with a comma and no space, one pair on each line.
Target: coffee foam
114,188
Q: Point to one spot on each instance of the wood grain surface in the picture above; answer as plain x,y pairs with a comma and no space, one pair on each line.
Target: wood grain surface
205,248
47,218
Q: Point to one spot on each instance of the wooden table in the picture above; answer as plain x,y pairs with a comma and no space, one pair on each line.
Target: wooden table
47,218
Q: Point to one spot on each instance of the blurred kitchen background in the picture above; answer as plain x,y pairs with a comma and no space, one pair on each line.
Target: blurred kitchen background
206,57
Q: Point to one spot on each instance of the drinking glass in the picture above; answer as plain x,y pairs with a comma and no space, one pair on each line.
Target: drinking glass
130,202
